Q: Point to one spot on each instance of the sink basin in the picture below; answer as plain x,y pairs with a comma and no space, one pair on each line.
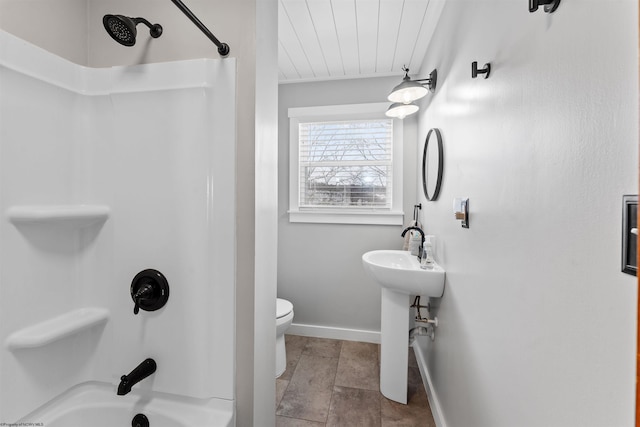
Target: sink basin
400,271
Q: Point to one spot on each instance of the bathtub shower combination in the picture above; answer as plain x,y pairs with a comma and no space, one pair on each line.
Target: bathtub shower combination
116,197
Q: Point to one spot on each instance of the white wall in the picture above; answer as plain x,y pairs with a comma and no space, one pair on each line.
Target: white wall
113,144
319,265
266,210
235,23
76,33
537,323
41,159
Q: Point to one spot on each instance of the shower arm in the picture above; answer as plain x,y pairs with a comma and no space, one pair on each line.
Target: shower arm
223,48
154,29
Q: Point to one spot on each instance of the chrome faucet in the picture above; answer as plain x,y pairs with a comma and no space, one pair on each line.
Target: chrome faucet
419,230
140,372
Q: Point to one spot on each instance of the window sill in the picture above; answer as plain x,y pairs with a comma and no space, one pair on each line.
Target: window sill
349,217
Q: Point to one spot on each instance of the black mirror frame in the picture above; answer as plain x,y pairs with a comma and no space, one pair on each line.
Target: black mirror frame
436,192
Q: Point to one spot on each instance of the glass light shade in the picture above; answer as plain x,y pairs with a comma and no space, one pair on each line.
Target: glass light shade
400,110
407,92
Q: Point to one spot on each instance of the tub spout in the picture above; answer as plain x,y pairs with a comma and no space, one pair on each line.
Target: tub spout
140,372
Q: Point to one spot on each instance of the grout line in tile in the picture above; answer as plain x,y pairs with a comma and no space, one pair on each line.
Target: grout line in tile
302,419
333,383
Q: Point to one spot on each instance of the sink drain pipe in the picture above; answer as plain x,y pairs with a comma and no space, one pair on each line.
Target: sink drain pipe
430,330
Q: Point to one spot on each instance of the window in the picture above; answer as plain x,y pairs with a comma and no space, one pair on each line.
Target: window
345,165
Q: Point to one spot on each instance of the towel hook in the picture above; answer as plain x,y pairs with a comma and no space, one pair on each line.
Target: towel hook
416,211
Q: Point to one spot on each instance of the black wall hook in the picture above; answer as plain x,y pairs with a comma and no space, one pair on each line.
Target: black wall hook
475,71
549,5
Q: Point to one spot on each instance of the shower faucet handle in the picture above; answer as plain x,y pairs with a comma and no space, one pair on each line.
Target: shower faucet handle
145,292
149,291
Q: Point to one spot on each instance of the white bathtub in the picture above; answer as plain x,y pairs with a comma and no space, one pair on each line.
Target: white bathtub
97,405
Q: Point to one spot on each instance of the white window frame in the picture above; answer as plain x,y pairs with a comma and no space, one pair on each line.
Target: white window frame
369,215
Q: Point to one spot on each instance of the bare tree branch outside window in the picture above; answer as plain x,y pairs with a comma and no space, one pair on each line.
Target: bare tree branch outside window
346,163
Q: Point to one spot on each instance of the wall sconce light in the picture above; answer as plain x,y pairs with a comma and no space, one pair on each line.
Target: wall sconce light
398,110
549,5
475,71
404,94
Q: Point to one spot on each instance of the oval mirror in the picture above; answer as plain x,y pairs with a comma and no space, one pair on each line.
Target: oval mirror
432,164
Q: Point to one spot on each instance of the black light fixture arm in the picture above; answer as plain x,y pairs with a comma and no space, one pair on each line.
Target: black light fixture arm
223,48
430,81
427,80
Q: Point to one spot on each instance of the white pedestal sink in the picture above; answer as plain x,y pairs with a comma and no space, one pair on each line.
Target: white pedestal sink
400,276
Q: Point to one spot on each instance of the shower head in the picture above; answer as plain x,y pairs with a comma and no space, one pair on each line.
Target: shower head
123,29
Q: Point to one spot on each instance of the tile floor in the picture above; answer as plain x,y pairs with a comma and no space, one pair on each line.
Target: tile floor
336,383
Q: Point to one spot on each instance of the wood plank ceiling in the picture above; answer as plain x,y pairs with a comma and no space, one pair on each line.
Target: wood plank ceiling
334,39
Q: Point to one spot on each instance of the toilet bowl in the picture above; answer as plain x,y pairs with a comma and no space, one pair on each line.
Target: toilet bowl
284,317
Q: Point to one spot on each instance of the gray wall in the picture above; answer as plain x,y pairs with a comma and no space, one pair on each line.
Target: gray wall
319,265
58,26
537,323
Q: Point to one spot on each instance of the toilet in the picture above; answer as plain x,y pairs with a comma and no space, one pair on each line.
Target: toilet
284,317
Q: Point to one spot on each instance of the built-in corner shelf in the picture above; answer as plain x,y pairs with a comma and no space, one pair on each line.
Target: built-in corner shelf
56,328
72,215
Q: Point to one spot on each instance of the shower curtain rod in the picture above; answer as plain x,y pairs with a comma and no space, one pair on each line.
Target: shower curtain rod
223,48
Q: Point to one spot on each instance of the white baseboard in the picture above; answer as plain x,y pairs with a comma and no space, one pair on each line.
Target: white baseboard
334,333
419,346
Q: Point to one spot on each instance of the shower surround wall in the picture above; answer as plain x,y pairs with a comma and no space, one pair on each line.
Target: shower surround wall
104,173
